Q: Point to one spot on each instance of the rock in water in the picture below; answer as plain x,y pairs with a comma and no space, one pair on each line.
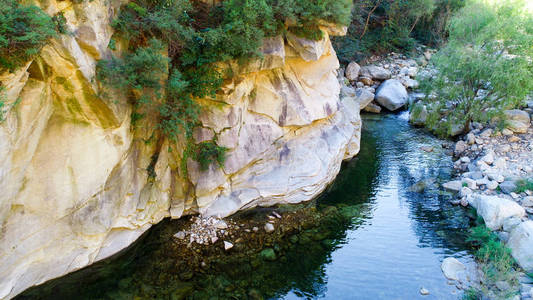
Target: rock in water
268,254
227,245
180,235
521,245
451,268
269,227
352,71
453,186
424,292
372,108
495,210
392,95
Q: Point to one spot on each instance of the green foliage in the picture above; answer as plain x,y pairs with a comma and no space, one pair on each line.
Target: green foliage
24,29
112,44
60,22
485,67
140,71
386,25
472,294
496,259
196,36
209,152
524,185
432,28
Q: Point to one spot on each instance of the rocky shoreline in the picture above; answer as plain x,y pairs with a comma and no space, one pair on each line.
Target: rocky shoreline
494,175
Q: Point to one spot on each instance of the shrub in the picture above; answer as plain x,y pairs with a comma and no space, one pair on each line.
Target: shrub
524,185
140,71
24,30
197,36
485,67
495,258
209,152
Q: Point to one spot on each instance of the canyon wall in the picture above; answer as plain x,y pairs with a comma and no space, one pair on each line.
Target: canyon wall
79,183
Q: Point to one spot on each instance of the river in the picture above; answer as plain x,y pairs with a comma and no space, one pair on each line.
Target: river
390,245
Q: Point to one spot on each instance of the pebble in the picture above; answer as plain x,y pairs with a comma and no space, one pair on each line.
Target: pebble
269,227
180,235
424,292
227,245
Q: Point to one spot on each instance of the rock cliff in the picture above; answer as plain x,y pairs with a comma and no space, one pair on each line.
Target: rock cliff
80,184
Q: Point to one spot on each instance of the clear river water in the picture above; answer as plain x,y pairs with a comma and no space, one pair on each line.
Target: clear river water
389,243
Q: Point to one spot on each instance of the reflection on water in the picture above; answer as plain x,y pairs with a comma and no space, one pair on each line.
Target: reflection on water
384,242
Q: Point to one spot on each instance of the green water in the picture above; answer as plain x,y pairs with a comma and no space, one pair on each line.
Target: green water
373,238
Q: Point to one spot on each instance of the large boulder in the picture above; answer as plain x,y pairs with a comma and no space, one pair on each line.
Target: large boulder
495,210
74,172
392,95
375,72
521,245
352,71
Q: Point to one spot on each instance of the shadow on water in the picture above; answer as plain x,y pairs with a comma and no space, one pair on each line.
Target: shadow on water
372,238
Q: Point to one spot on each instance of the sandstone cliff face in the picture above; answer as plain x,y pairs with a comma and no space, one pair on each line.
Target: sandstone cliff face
73,172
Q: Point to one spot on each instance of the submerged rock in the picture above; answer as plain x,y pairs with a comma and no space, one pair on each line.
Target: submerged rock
269,227
454,185
268,254
227,245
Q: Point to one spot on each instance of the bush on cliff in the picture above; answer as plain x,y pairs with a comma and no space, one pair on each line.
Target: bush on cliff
486,66
24,30
195,36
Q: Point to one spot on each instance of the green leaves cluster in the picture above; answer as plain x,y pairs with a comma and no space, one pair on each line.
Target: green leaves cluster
486,66
495,259
24,30
209,152
174,47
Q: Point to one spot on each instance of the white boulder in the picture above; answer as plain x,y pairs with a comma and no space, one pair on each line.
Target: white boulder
495,210
392,95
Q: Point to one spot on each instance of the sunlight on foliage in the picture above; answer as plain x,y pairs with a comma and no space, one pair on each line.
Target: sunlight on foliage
195,37
486,66
24,29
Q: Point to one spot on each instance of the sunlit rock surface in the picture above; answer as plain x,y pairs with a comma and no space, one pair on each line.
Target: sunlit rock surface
79,183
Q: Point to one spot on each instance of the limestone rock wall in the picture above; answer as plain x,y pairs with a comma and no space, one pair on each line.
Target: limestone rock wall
73,172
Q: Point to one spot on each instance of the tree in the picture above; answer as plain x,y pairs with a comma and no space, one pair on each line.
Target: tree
486,66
